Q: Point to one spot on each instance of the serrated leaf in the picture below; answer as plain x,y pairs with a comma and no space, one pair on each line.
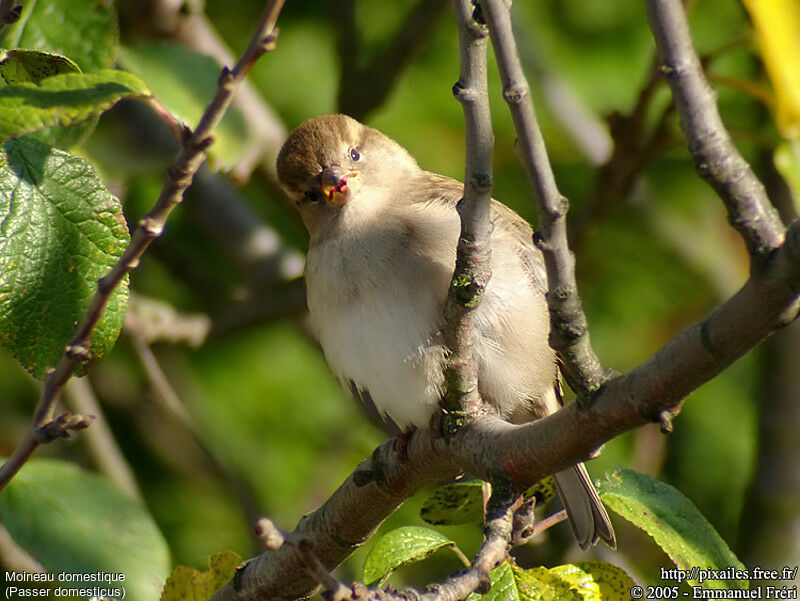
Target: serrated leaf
586,581
673,521
541,584
74,521
63,100
188,584
461,502
400,547
613,582
543,490
32,66
86,32
60,230
185,81
504,587
456,503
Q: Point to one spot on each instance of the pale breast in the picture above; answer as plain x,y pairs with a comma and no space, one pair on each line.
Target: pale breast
376,298
375,301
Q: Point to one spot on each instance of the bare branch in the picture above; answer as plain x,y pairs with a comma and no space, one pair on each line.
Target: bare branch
13,557
170,402
362,89
100,442
274,539
349,518
493,551
149,228
472,270
716,158
529,452
569,333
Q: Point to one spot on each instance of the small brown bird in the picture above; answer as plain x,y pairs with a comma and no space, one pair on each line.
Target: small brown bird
383,235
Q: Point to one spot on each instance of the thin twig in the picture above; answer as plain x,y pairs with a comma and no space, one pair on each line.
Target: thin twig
149,228
472,270
716,158
13,557
274,539
171,403
362,89
548,522
493,551
100,442
569,333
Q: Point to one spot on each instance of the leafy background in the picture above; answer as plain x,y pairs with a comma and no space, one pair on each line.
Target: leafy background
273,433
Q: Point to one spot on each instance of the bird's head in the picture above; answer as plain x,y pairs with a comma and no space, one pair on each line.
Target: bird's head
333,165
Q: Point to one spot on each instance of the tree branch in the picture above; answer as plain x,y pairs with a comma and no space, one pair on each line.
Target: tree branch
569,333
472,270
151,226
532,451
100,442
364,89
716,158
347,519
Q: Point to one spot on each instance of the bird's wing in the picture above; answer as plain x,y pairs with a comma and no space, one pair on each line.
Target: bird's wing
440,189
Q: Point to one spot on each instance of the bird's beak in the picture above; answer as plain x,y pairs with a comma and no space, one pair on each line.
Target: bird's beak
337,183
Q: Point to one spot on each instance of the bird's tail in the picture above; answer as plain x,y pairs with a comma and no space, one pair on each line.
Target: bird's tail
586,513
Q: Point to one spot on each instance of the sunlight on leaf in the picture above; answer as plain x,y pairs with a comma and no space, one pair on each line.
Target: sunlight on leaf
188,584
672,520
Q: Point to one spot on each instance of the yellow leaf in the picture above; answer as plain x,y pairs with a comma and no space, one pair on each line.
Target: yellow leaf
777,26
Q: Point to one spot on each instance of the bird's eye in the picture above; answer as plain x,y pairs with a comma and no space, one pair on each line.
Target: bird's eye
314,195
354,154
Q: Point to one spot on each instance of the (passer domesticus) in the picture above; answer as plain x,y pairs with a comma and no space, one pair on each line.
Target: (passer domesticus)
383,235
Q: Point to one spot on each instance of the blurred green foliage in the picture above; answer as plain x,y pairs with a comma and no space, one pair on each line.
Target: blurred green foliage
261,394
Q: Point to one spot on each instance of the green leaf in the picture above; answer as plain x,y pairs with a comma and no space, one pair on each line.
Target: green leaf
60,230
401,547
612,581
188,584
586,581
461,502
504,586
543,490
86,32
32,66
73,521
456,503
673,521
63,100
185,81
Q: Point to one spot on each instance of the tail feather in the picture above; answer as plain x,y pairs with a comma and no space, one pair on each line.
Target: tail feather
586,513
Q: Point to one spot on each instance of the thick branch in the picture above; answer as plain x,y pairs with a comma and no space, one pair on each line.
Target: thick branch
472,271
569,334
149,228
531,451
348,519
716,158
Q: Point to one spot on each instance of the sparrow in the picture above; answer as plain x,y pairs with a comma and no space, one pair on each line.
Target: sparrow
382,249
